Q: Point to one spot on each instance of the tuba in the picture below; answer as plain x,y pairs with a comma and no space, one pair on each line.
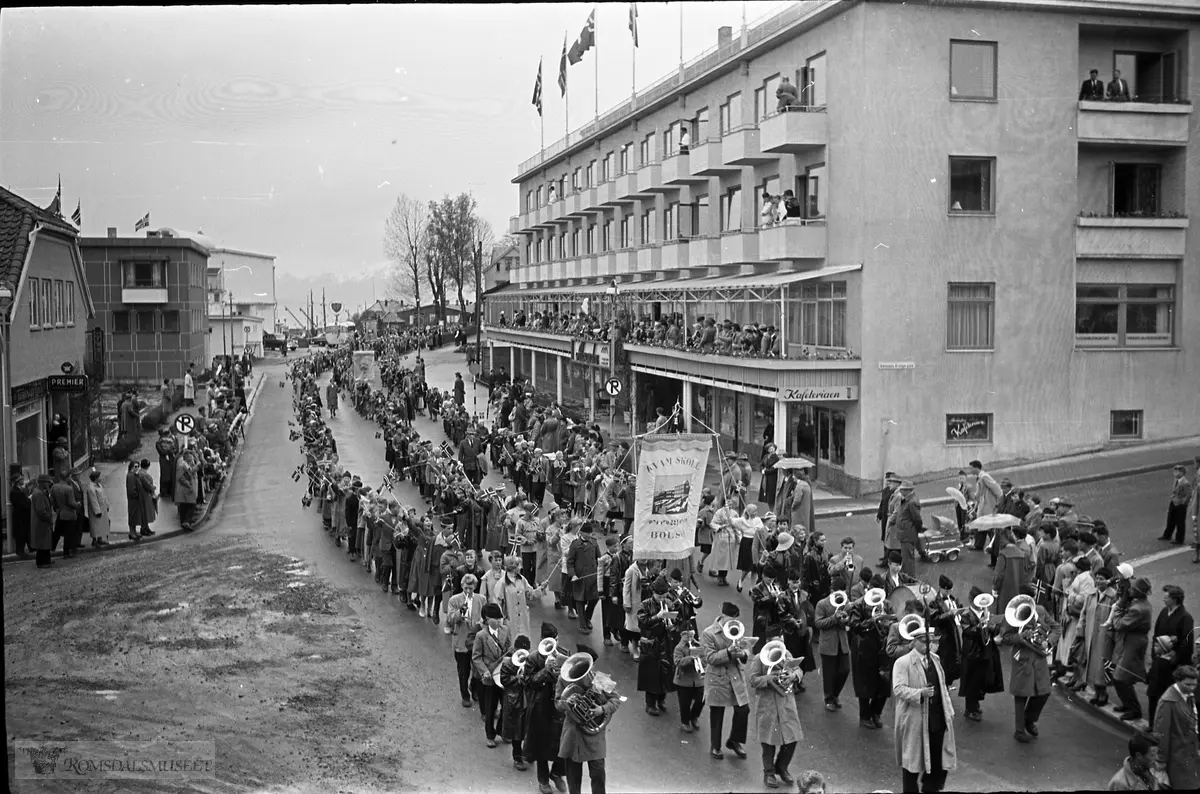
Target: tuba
581,694
911,626
838,600
1021,613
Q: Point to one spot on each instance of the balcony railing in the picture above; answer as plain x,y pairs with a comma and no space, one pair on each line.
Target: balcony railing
705,159
739,248
794,238
674,254
795,130
741,146
1164,124
703,63
1130,238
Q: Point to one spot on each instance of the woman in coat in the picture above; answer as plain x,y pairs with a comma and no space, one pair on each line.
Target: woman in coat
41,521
514,595
770,476
726,542
1012,570
1082,587
97,508
186,482
911,692
1097,641
777,718
448,564
1175,724
422,535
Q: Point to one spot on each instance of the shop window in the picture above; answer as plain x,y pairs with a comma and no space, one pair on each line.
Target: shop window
120,322
971,317
1124,315
972,185
972,69
1125,424
144,275
968,428
170,322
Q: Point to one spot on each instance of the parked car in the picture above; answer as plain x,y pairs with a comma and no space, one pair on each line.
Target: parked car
292,344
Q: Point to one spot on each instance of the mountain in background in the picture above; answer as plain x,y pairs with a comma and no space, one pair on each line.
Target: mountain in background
355,292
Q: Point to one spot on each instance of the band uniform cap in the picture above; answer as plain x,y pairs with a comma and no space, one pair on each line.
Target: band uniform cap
492,611
549,630
730,609
944,582
661,587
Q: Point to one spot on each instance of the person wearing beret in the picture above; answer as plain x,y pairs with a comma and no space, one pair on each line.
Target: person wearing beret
491,647
725,683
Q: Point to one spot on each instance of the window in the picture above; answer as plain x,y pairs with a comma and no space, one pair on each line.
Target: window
972,184
120,322
56,299
170,322
46,308
624,164
35,314
591,239
968,428
731,114
669,221
69,302
769,185
972,69
767,104
647,227
540,250
529,201
529,252
591,174
575,175
1125,424
606,172
669,141
607,237
562,246
145,322
1152,76
823,314
575,243
539,196
1135,189
647,150
812,84
1124,315
731,211
626,232
700,127
144,275
700,216
971,317
814,204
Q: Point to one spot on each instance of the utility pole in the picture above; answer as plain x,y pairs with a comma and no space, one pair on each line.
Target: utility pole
478,307
324,314
232,346
312,324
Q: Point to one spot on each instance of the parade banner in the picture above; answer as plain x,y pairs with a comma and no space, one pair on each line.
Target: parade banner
366,368
669,482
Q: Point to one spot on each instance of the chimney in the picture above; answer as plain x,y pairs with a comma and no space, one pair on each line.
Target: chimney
724,36
112,232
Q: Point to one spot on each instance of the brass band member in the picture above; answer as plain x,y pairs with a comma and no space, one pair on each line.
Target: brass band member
543,722
776,714
578,746
689,680
834,645
944,616
765,595
724,683
656,666
797,616
872,683
512,712
1029,681
981,672
924,715
492,646
465,619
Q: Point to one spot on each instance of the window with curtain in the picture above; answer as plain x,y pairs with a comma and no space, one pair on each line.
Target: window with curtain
731,211
819,317
1124,315
971,316
972,184
972,69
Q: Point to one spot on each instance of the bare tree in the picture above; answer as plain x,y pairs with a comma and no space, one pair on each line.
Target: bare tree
406,245
451,238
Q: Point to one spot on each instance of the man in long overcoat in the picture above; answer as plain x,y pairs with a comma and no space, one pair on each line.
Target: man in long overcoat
41,521
1175,724
582,571
656,666
1029,680
725,683
1131,638
924,716
578,747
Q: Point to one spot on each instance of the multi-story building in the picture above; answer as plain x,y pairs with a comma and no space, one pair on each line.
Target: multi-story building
504,258
241,302
150,296
983,265
45,355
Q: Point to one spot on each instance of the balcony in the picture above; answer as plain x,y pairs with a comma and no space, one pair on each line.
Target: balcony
574,270
703,251
542,217
649,258
674,255
1130,238
587,266
576,202
796,238
650,181
676,170
1133,122
741,147
143,294
528,337
558,271
795,131
514,224
628,190
626,261
606,263
739,248
591,200
606,194
705,159
558,211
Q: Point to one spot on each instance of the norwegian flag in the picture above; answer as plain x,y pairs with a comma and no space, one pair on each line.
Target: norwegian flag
447,449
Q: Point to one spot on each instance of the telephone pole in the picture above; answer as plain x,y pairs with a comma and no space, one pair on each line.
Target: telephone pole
478,307
324,314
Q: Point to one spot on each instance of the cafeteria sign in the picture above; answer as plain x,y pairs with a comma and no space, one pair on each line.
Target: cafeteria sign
670,479
810,394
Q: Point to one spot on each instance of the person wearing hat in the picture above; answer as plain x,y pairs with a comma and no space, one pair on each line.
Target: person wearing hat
656,667
767,485
731,485
909,527
1094,652
168,452
1177,505
890,483
1066,517
491,647
1029,680
982,674
765,597
941,614
1131,624
41,521
578,746
785,557
465,619
726,543
1175,725
583,568
725,683
543,722
1173,643
925,746
777,716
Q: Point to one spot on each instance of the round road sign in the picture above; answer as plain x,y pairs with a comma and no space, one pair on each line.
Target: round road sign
613,387
67,367
185,424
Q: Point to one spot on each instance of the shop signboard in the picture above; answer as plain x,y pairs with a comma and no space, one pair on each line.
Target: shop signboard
71,384
808,394
28,392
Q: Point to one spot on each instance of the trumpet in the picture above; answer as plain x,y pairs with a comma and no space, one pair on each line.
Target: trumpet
696,658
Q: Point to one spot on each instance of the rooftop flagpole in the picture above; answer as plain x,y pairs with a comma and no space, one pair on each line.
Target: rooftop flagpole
596,44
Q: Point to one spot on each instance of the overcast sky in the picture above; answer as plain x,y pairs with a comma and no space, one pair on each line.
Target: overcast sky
290,130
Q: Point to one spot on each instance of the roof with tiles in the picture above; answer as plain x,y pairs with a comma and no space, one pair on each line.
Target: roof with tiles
17,220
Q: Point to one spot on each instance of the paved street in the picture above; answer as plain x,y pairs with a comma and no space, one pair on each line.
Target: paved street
305,674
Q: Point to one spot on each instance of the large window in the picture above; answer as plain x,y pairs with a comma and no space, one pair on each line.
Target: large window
972,185
766,104
1136,189
669,141
144,275
822,315
812,82
700,127
647,227
813,189
539,196
968,428
669,215
145,322
608,236
575,250
700,216
47,303
591,239
1124,315
769,185
731,114
971,317
69,301
576,175
647,152
1151,76
731,211
624,162
626,232
972,69
591,174
606,170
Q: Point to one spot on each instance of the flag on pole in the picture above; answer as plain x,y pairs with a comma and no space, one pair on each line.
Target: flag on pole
55,207
537,89
144,223
77,215
587,38
562,68
633,22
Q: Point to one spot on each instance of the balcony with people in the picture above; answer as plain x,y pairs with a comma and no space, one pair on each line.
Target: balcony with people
1133,87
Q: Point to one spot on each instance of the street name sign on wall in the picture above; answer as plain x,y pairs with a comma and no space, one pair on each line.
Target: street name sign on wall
897,365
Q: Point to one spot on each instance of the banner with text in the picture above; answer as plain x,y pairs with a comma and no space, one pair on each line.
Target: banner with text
670,479
367,369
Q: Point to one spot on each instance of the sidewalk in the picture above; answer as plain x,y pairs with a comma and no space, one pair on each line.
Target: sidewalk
167,525
1053,473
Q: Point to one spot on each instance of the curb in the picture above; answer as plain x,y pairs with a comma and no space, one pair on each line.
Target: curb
828,512
1107,713
213,501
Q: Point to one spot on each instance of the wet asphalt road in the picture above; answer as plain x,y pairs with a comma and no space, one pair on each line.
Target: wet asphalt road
645,753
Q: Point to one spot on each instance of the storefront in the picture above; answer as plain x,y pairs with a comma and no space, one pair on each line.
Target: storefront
35,404
818,431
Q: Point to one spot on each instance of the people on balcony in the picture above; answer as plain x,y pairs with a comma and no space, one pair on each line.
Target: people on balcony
1092,88
1118,89
685,139
787,95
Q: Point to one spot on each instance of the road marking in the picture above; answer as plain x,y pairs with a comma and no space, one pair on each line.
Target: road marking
1158,555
